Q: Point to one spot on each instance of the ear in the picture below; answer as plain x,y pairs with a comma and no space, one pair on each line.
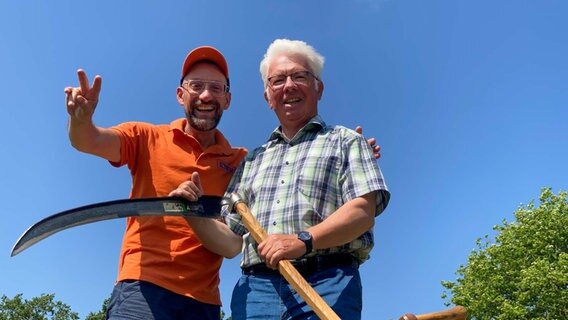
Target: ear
320,89
227,100
179,95
267,99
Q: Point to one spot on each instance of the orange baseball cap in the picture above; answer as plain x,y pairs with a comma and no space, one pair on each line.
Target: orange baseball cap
205,53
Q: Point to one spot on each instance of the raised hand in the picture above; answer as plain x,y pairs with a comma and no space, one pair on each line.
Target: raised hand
190,189
372,142
81,101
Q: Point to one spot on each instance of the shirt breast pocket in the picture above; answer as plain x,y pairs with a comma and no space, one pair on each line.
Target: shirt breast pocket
319,179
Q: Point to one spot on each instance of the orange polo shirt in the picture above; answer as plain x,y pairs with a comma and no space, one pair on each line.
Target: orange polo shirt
164,250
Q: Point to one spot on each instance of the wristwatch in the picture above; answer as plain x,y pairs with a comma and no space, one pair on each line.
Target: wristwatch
306,238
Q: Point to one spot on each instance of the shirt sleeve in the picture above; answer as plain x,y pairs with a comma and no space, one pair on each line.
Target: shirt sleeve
129,133
360,173
232,219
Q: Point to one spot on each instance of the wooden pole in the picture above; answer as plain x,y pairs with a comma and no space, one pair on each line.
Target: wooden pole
455,313
287,270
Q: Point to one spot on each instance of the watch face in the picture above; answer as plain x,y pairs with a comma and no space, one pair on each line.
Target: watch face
306,238
304,235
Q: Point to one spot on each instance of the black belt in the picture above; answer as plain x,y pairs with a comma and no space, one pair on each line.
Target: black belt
308,266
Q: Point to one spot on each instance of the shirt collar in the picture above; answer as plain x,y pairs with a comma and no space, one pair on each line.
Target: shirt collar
315,124
221,146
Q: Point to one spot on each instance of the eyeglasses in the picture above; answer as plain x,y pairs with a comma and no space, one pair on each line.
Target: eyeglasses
198,86
301,78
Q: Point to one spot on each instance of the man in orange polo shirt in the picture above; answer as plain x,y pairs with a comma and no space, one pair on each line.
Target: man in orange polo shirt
164,270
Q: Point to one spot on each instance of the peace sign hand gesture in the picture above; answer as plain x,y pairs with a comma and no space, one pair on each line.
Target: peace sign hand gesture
82,101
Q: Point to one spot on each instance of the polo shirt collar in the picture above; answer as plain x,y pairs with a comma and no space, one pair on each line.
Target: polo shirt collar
221,145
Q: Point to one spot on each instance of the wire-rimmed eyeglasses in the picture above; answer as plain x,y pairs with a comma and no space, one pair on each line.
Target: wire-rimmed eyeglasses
197,86
302,78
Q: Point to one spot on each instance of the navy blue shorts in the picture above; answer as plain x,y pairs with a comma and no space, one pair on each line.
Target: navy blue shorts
136,300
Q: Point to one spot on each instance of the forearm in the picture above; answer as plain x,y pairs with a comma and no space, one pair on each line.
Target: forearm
216,236
343,226
88,138
346,224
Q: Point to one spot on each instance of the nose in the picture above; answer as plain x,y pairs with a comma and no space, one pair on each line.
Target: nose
206,94
289,84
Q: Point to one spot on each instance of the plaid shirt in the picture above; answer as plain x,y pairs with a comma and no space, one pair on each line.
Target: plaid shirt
291,185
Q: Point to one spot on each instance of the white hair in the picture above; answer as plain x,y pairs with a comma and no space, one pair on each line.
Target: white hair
280,46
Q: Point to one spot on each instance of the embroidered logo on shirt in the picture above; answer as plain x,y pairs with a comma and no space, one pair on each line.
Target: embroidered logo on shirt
227,168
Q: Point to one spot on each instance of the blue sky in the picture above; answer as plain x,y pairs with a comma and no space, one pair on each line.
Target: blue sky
468,99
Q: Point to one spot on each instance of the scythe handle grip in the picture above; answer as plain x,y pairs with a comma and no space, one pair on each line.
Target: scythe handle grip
287,270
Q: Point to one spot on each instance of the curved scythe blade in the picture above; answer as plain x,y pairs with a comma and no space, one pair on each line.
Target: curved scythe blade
206,206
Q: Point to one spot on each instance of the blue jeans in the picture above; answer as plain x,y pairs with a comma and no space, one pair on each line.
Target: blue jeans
265,297
137,300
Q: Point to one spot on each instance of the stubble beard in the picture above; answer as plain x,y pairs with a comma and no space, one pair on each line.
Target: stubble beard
200,124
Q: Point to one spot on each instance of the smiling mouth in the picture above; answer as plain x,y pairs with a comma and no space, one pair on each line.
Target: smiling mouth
199,106
203,108
292,100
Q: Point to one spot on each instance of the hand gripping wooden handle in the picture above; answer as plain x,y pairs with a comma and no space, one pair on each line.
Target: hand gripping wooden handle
456,313
287,270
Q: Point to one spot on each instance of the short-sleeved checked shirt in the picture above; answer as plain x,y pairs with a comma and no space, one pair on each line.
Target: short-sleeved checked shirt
291,185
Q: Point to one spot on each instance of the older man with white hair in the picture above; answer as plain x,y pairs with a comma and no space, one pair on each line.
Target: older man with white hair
316,189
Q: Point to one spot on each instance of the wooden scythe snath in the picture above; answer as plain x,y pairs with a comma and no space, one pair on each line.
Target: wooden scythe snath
206,206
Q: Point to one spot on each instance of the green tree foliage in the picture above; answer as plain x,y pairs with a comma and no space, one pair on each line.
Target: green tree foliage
223,315
523,273
43,307
101,314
